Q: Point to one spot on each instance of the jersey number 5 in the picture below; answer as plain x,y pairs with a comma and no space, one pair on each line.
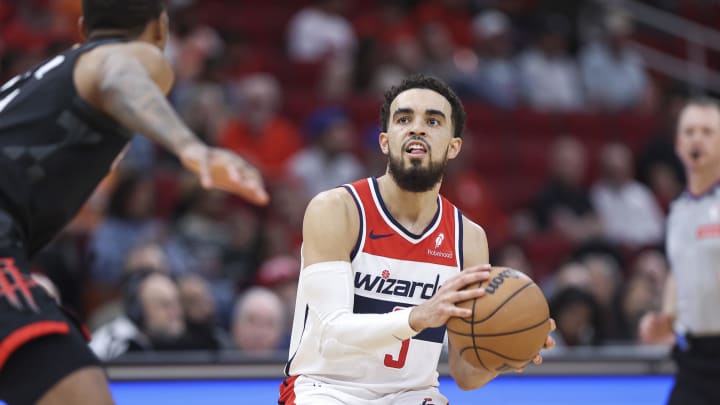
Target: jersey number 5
398,362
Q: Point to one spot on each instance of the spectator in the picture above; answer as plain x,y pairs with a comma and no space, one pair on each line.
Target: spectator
495,78
129,221
153,318
605,283
320,30
204,230
614,74
258,131
514,256
629,213
578,318
280,274
202,330
563,205
259,322
329,162
550,76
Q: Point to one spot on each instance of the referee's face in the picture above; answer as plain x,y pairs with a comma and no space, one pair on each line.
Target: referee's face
698,137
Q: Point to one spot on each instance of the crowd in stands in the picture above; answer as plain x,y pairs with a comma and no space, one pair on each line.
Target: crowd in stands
568,159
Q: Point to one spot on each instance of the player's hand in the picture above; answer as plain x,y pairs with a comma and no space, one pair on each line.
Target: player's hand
549,344
222,169
656,328
437,310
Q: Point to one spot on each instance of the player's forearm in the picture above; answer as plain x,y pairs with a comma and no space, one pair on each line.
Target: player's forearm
133,99
348,332
328,286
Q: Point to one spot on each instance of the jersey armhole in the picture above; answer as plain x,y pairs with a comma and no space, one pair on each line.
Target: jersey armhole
459,238
361,231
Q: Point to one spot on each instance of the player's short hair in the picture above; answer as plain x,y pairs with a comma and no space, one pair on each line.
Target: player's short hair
420,81
128,15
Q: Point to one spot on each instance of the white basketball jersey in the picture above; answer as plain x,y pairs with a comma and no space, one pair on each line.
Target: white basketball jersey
693,245
392,268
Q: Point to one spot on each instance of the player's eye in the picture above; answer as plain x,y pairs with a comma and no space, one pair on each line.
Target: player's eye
433,122
403,119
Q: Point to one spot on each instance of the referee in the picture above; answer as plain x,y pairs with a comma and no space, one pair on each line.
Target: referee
691,307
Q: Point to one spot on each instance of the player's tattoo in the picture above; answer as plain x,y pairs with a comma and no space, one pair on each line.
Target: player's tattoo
133,99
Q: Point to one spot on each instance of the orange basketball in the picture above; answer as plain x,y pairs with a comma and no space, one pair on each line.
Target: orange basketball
508,326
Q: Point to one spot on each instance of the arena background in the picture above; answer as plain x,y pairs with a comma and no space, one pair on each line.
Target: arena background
295,87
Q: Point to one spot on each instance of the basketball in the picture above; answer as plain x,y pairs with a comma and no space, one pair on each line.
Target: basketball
508,326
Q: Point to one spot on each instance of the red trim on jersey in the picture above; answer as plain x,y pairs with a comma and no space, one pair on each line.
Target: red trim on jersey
287,391
27,333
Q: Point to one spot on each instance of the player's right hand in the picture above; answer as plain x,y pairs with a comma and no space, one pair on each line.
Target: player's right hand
656,328
222,169
437,310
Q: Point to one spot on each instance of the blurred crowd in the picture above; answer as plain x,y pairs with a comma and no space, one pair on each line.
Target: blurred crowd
155,262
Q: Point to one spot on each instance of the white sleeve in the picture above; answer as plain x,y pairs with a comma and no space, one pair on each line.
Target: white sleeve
328,287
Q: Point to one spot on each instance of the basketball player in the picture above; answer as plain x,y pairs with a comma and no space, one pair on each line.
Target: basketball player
692,293
62,124
382,260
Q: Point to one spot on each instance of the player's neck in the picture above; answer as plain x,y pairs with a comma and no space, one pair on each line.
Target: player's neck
700,181
413,210
108,33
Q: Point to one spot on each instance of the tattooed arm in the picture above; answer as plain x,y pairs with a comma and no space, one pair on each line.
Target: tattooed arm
128,82
129,90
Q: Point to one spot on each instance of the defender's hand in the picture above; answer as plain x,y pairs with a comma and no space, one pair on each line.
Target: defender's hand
222,169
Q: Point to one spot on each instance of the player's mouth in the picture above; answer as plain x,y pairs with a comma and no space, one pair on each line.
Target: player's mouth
416,149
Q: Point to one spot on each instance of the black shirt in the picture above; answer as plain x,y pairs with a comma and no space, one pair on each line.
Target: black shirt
54,147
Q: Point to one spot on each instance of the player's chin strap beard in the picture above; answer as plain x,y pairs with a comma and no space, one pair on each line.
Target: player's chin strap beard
416,179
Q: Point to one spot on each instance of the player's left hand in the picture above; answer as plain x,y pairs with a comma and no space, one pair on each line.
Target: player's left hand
549,344
222,169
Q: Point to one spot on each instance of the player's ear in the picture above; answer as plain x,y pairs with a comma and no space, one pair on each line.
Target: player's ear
160,30
383,142
82,28
454,147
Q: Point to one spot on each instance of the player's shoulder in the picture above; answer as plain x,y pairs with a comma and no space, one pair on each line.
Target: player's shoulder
330,202
472,230
329,216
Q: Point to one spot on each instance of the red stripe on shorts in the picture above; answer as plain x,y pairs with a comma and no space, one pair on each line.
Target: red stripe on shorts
27,333
287,391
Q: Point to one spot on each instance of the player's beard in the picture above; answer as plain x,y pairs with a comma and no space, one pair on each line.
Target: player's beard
412,176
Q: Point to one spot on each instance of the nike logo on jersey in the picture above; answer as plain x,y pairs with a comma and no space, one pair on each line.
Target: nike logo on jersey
374,235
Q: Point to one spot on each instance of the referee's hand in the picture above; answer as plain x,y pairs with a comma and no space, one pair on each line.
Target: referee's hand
656,328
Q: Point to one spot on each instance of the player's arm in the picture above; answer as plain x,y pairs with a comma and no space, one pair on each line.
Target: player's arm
475,252
129,82
657,327
330,231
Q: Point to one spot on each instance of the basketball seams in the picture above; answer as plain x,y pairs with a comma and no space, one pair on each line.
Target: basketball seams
477,355
510,297
541,323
